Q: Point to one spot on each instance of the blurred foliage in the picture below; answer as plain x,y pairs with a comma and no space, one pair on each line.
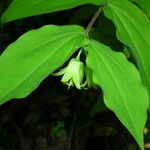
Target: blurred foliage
58,129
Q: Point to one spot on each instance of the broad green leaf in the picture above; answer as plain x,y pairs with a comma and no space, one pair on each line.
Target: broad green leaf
36,54
144,4
25,8
133,29
123,91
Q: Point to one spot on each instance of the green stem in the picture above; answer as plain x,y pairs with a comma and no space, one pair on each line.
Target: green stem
95,17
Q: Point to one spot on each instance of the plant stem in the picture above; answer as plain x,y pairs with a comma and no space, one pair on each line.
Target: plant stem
76,115
88,28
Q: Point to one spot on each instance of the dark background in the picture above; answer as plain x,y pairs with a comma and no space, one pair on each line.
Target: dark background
53,117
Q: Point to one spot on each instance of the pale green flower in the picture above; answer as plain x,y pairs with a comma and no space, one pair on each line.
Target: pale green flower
73,74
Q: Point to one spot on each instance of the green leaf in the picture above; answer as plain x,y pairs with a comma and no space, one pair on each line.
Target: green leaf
36,54
133,29
25,8
120,81
144,4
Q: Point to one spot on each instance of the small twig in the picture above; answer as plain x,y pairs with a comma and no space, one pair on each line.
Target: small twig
77,142
24,144
74,122
106,143
95,17
125,142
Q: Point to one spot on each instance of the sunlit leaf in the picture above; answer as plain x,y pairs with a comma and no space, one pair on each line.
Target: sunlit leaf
36,54
25,8
133,29
123,91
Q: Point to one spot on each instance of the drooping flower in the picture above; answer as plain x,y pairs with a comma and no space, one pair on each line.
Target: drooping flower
73,74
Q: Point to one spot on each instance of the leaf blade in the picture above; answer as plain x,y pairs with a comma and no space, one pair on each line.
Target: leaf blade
121,84
144,4
25,8
35,55
133,29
